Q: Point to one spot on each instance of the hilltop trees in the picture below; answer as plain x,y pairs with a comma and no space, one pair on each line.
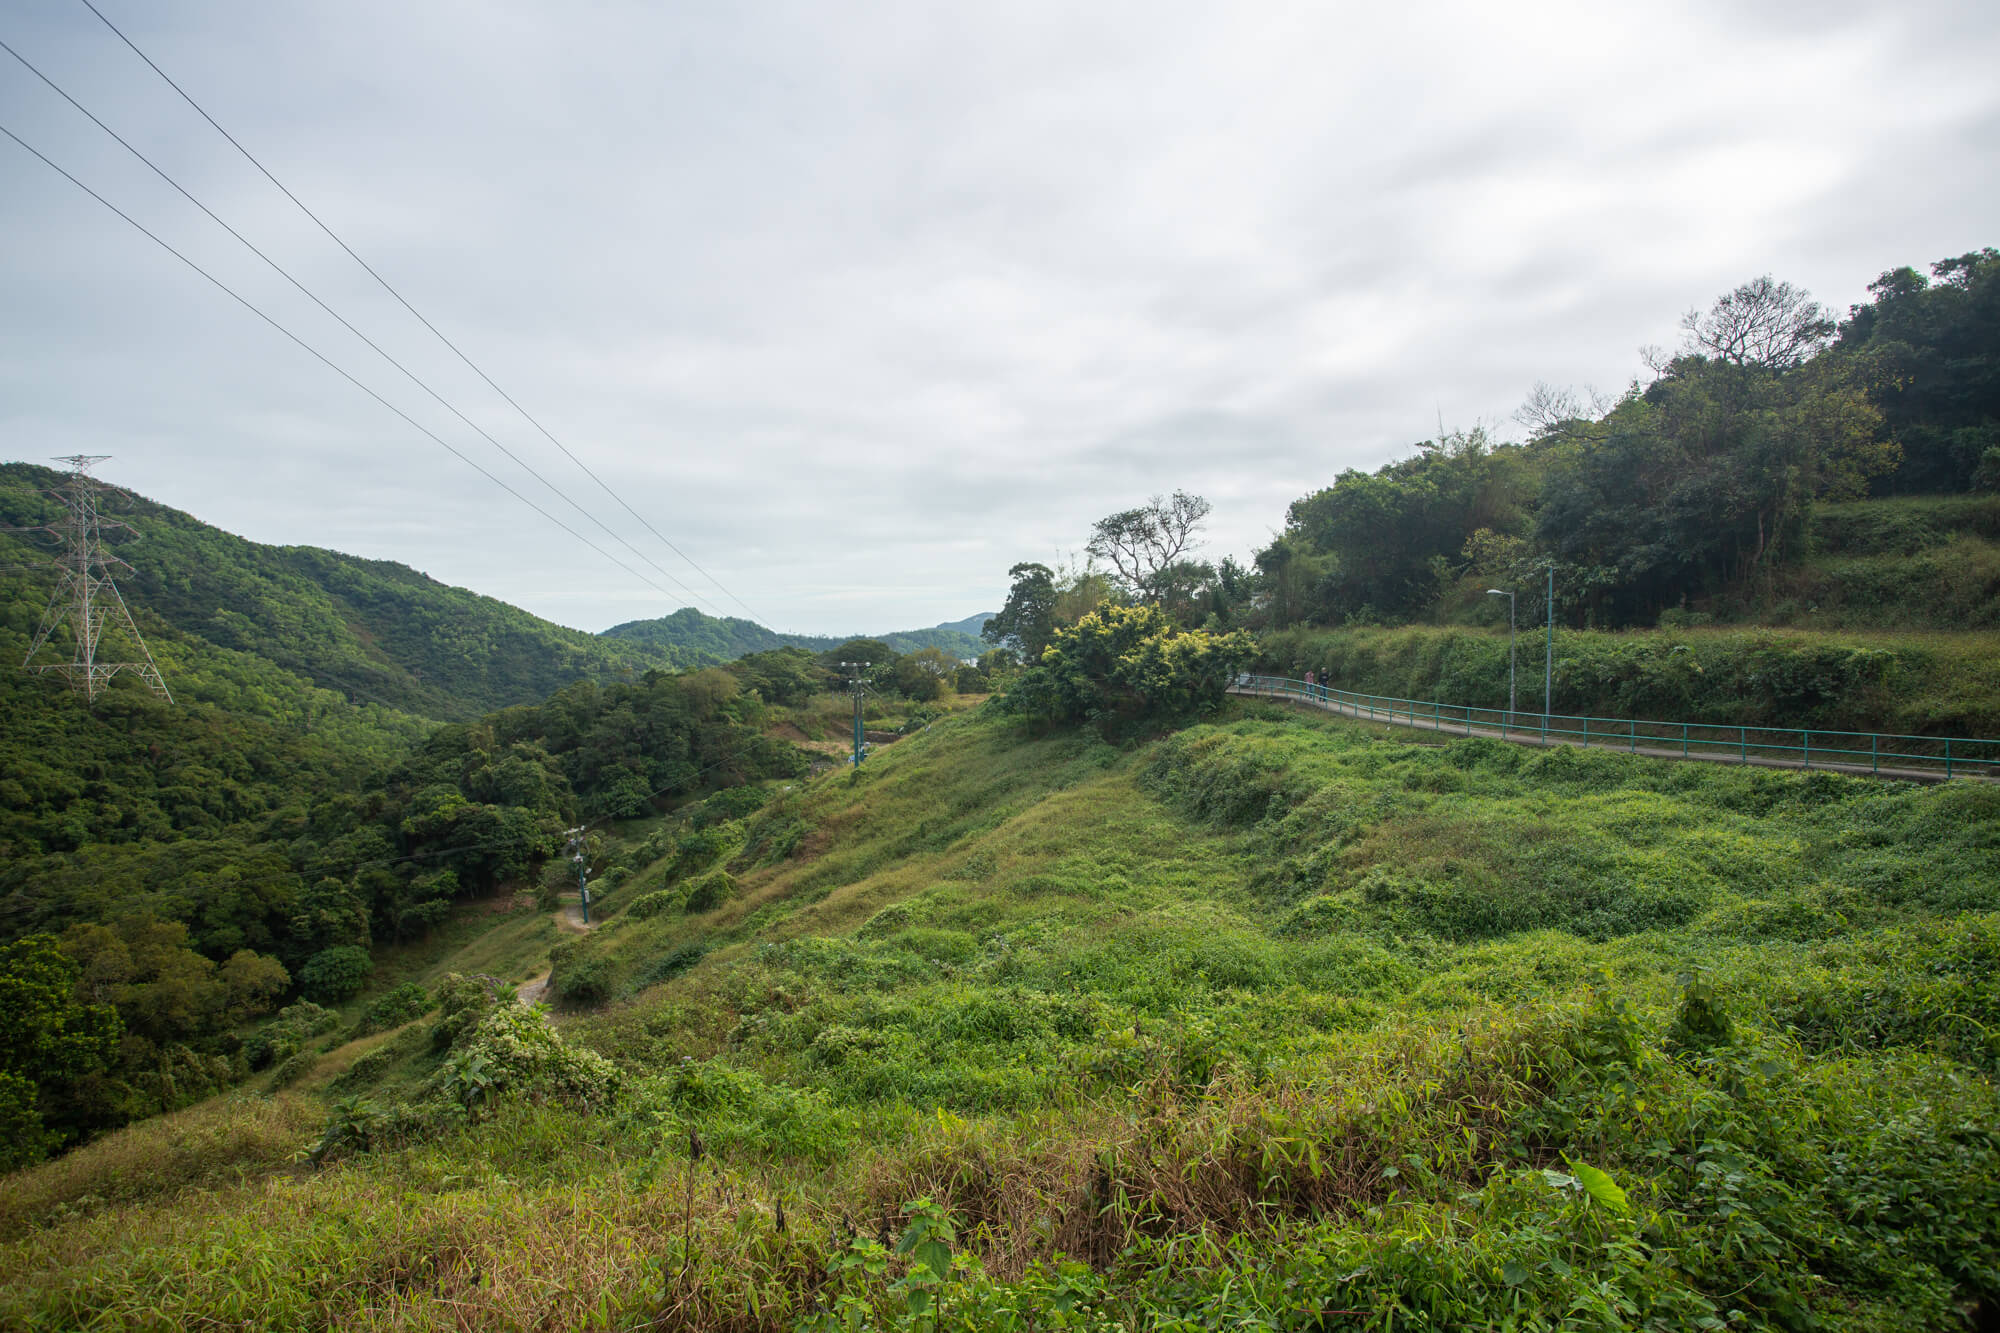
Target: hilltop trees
1697,484
1929,351
1388,537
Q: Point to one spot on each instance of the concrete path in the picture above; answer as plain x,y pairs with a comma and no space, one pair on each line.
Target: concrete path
1519,737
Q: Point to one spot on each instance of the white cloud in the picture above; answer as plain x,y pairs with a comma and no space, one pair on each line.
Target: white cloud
862,306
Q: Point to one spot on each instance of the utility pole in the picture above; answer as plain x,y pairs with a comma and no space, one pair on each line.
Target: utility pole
582,864
1549,656
86,598
1501,592
854,682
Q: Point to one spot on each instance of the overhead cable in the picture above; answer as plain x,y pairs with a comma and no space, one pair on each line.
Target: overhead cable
409,374
385,284
328,363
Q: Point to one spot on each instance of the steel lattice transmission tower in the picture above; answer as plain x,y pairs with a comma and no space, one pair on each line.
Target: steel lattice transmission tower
86,597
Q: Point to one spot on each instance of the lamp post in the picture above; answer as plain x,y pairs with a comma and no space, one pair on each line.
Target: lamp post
1501,592
1549,655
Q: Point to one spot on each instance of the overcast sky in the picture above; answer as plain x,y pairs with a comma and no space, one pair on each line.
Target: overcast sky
861,304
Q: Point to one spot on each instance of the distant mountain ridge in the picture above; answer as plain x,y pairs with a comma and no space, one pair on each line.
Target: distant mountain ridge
373,630
690,633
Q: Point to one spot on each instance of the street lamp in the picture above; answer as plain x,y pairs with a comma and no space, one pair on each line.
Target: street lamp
1501,592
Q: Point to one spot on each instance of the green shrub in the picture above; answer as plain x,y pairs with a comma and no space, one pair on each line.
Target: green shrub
295,1025
514,1051
462,1001
294,1067
332,975
583,983
649,905
711,891
732,803
395,1008
367,1069
669,964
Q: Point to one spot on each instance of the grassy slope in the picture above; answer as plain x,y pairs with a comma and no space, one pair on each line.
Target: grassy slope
1926,682
1263,1019
1918,562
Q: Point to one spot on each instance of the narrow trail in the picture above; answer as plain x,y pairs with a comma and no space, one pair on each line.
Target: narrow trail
569,921
1517,736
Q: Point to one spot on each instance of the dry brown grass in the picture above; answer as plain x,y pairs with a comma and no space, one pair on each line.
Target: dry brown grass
1233,1157
218,1142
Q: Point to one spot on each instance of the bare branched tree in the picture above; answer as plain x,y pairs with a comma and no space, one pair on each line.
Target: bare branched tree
1763,323
1549,410
1141,542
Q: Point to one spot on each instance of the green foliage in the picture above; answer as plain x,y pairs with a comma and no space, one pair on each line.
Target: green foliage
462,1001
788,676
1123,664
1384,534
1702,486
653,904
1028,620
1931,349
1266,1021
583,982
710,891
51,1042
395,1008
295,1025
1911,684
332,975
370,630
514,1051
293,1068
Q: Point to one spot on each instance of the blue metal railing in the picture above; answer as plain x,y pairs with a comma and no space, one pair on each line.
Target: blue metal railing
1778,747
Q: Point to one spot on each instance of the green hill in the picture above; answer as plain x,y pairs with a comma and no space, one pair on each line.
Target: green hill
1262,1019
696,637
371,630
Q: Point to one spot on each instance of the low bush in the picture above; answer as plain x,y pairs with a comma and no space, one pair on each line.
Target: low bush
332,975
399,1006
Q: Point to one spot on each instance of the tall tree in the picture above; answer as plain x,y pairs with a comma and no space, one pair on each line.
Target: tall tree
1141,543
1027,621
1764,323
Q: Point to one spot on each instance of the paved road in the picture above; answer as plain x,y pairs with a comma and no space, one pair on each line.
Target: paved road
1518,737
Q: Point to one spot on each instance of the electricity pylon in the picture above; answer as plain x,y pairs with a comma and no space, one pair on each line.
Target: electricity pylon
86,597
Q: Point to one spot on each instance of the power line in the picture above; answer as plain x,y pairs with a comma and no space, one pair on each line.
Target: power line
280,270
323,359
251,158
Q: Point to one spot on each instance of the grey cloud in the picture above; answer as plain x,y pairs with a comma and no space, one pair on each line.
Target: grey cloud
862,307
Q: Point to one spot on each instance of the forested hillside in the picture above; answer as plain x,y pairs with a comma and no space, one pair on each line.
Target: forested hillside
170,871
1698,489
694,637
375,631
